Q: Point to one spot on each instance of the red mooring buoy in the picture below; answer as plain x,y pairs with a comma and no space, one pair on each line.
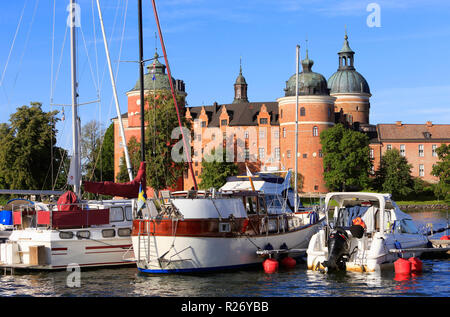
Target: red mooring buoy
416,264
270,266
445,238
402,266
288,262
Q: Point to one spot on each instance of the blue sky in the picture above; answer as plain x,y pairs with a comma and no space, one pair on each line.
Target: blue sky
405,60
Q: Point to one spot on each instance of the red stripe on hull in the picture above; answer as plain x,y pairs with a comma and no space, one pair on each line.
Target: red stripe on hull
109,246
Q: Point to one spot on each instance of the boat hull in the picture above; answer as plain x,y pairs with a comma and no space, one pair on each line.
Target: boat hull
370,256
184,254
62,253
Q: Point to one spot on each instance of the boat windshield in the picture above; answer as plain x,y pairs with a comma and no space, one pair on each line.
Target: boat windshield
406,226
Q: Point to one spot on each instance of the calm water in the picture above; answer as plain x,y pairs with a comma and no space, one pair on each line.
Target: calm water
127,282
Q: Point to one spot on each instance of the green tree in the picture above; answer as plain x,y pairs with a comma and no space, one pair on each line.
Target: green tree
394,175
216,171
97,150
346,159
162,171
134,152
442,170
27,149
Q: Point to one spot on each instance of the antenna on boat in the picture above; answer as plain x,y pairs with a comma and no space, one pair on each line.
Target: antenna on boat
297,56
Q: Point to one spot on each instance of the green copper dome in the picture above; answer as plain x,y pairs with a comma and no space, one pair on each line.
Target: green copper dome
309,82
160,81
347,79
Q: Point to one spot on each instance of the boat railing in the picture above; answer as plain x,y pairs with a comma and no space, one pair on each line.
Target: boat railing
52,216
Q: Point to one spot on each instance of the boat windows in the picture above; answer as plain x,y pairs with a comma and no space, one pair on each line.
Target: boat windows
108,233
65,234
128,213
124,232
224,227
251,205
116,214
85,234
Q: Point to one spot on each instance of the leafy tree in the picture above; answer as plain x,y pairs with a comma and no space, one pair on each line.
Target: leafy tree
216,171
134,151
97,150
91,141
346,158
161,118
394,175
442,170
27,149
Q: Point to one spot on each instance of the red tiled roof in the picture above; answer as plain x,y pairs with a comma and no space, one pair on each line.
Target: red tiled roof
426,132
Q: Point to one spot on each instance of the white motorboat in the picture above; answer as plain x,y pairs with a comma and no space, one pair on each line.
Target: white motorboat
364,230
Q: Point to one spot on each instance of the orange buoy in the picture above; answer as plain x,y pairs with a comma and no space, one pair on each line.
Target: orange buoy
416,264
288,262
270,266
445,238
402,266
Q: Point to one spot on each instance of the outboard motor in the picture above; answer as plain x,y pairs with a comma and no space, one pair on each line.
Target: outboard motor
337,250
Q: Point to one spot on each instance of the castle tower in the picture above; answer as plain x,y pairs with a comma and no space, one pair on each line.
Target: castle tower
316,114
350,88
240,88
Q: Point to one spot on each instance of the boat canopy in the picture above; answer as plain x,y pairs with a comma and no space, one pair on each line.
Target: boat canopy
126,190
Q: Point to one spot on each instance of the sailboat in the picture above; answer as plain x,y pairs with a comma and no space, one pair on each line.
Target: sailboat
73,231
198,231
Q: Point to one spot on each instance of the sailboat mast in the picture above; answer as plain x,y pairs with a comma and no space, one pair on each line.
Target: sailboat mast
296,129
116,98
141,79
75,125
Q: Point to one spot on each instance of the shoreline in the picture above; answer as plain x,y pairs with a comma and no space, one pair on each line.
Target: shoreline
412,207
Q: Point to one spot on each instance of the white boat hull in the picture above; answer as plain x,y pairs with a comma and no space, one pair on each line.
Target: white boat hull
172,254
60,253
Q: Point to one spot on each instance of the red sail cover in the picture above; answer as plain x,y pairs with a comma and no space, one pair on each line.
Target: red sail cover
126,190
67,201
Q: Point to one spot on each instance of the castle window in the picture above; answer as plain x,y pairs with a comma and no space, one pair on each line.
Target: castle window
402,150
315,131
263,121
224,122
371,154
388,147
277,153
320,153
288,153
433,150
281,114
302,111
261,153
421,150
246,134
203,124
421,170
247,154
305,155
284,132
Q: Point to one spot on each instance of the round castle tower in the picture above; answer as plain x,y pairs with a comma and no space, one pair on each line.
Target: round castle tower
350,88
316,114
